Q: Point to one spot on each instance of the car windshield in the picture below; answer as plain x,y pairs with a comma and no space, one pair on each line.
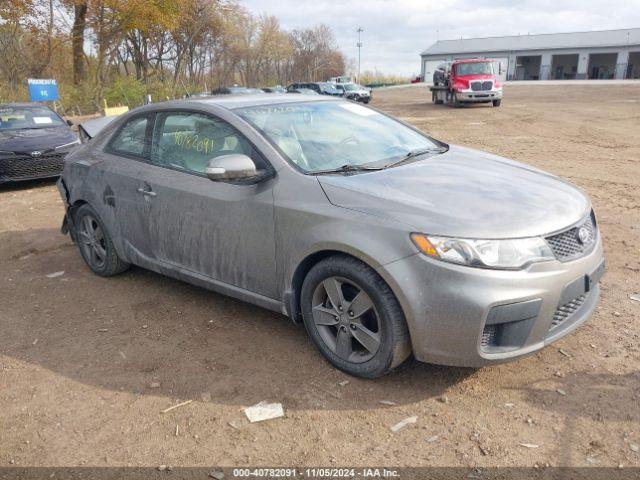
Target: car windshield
475,68
319,136
17,118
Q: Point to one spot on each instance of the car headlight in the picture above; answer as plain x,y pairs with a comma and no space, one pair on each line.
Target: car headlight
500,254
70,144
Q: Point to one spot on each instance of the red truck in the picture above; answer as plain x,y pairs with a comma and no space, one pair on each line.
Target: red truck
467,81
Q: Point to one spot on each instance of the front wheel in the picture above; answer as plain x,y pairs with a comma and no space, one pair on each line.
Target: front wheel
496,103
353,317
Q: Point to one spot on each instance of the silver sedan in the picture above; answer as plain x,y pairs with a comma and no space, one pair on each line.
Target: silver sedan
382,240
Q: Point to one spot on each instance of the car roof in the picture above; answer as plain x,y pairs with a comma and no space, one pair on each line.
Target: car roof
231,102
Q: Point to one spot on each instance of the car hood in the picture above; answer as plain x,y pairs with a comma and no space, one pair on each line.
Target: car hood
463,193
32,139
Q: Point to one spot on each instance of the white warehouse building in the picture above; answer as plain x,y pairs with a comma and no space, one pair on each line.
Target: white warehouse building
608,54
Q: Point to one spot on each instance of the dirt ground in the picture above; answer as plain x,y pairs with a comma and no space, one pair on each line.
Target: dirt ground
87,363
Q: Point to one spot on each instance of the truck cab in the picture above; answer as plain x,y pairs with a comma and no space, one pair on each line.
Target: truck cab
467,81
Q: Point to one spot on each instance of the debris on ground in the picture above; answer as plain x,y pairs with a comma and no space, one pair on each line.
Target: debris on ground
431,439
387,402
561,392
55,274
634,448
403,423
564,352
264,411
154,385
529,445
205,396
182,404
484,450
234,424
443,399
509,405
217,474
343,383
634,298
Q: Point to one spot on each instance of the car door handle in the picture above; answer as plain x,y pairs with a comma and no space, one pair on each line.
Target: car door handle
147,193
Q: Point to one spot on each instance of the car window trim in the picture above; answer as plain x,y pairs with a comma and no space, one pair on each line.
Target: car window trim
145,156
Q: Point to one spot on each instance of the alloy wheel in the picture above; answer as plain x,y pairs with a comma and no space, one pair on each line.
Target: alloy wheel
346,319
92,241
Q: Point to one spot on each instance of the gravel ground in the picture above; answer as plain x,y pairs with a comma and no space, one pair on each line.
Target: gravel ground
87,364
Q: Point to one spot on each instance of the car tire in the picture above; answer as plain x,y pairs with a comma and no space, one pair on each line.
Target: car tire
381,326
496,103
95,244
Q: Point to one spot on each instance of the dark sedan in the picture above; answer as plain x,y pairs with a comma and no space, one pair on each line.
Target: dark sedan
33,142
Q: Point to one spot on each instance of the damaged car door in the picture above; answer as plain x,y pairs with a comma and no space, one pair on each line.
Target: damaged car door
222,230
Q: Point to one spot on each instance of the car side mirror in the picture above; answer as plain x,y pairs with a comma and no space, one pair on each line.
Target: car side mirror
70,123
236,166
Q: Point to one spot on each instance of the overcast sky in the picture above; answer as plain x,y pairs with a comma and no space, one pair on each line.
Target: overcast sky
396,31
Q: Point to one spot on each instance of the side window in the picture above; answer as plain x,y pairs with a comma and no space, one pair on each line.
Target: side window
132,138
187,141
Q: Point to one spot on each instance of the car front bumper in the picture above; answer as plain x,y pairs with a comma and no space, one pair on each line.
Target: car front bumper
480,96
471,317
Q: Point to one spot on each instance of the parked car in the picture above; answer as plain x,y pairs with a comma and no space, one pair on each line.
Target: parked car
355,92
235,91
382,240
274,90
323,88
306,91
33,142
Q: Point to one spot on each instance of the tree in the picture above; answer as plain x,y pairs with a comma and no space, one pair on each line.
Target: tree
80,8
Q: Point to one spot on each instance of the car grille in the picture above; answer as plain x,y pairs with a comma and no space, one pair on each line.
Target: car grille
480,86
568,246
566,311
26,166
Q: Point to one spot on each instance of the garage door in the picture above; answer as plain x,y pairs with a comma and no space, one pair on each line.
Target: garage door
429,68
505,65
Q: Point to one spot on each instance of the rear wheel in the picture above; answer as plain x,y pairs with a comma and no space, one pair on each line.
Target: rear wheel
95,244
496,103
353,317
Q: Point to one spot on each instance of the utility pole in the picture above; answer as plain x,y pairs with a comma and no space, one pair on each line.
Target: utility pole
359,44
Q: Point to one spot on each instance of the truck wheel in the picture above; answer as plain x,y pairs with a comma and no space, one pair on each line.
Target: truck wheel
496,103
